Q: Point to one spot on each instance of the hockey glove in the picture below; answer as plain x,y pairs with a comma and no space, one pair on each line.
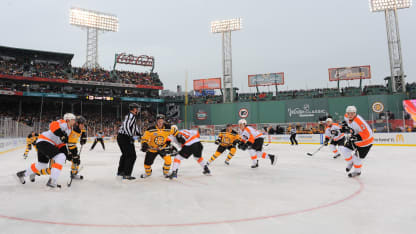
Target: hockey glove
29,146
165,151
345,127
243,146
326,142
173,151
235,143
145,147
180,139
83,139
334,133
218,141
355,138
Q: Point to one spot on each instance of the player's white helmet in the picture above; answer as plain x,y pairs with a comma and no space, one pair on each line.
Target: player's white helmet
351,109
329,120
69,116
174,130
242,121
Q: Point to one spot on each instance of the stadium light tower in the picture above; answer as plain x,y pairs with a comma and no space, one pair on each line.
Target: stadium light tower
94,22
393,38
226,27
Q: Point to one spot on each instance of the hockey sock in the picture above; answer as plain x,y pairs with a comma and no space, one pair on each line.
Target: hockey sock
74,168
35,168
27,150
262,154
168,163
229,157
214,156
177,162
57,166
201,161
45,171
231,154
148,169
357,163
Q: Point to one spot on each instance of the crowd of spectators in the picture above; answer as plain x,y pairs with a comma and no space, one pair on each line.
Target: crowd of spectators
58,71
34,69
108,123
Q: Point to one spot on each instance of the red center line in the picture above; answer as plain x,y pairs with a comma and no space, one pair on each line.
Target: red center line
334,203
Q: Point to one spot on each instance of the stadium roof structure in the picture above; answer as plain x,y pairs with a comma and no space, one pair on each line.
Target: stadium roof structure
20,53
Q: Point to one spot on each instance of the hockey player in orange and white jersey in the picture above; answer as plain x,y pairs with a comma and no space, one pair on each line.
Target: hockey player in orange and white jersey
191,145
360,142
253,140
49,144
334,137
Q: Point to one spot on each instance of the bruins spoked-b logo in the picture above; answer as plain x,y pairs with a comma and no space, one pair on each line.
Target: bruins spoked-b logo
159,140
377,107
226,140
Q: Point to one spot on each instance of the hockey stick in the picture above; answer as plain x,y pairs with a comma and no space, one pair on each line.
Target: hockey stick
320,147
311,154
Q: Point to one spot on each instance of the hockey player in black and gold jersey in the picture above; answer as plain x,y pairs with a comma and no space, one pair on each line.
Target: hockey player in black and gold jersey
227,139
155,141
30,140
78,133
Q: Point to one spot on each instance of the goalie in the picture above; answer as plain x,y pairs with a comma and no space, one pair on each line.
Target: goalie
227,140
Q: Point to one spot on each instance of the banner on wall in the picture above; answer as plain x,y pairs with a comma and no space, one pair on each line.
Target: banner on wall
201,114
306,110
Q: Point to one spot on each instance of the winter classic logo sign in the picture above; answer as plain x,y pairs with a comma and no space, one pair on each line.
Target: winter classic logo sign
243,113
306,111
201,115
377,107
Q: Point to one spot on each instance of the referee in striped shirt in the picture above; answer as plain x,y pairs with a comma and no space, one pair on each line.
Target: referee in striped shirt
125,141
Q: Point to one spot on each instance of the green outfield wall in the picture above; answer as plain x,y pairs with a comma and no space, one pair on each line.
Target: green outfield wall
295,110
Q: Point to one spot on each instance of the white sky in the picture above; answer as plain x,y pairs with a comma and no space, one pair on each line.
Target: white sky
300,38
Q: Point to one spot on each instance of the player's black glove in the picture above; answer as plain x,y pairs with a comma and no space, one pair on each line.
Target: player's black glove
145,147
345,127
218,141
334,133
173,151
64,138
29,146
243,146
326,142
235,143
180,139
350,143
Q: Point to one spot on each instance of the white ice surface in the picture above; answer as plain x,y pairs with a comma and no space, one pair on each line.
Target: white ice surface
301,194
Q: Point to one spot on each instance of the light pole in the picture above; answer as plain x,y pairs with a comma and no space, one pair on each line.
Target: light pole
94,22
393,38
225,27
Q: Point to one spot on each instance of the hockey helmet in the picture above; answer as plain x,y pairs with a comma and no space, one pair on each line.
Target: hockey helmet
81,119
351,109
160,116
329,120
242,121
133,105
69,116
